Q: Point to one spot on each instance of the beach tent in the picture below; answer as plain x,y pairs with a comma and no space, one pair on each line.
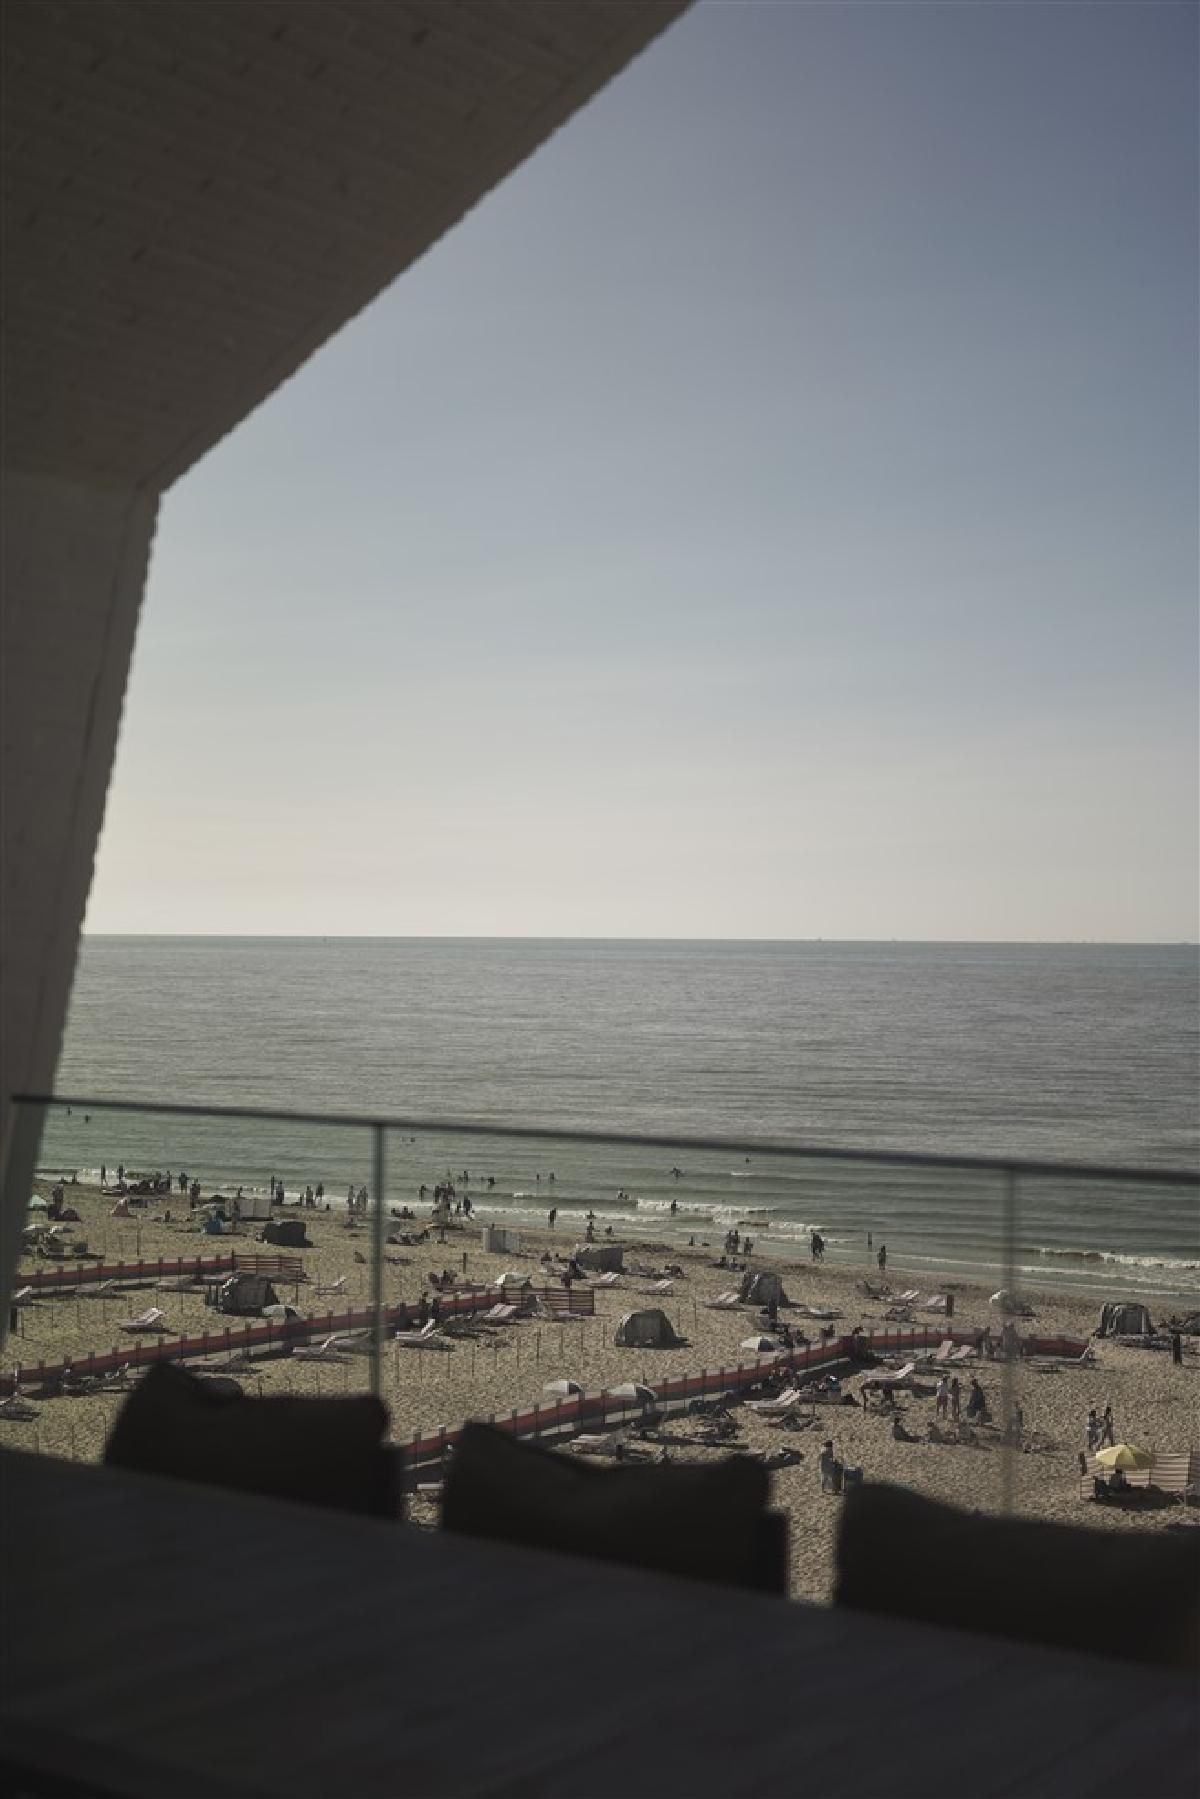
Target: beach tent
288,1231
645,1330
1011,1302
759,1345
496,1240
1125,1318
246,1294
38,1204
255,1205
763,1289
632,1392
601,1258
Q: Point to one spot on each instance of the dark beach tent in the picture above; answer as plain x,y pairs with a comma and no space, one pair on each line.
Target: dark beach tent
246,1295
288,1231
601,1258
765,1289
650,1329
1125,1318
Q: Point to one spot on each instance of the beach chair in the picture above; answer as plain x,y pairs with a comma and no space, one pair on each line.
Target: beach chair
318,1352
151,1321
422,1339
901,1378
786,1401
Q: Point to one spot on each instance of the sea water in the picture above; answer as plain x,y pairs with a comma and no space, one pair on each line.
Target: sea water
1081,1053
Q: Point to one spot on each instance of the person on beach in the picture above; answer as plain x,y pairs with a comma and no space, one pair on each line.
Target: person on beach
1093,1430
977,1403
943,1397
1108,1430
870,1241
1177,1349
674,1207
956,1398
553,1214
881,1258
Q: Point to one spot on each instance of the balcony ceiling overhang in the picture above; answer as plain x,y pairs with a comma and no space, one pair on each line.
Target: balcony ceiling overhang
198,193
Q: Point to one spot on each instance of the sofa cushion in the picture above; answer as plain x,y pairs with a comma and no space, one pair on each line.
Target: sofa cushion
704,1521
323,1451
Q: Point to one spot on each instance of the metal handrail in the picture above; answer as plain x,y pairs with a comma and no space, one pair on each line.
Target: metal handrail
559,1133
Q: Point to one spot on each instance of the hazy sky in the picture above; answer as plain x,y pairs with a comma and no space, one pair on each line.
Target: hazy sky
771,513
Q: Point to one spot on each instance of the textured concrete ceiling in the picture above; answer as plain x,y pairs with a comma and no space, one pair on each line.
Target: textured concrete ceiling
197,193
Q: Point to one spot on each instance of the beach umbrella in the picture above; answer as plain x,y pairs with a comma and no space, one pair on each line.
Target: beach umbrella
1124,1455
563,1389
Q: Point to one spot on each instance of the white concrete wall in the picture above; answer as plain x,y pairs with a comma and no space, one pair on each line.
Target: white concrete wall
72,569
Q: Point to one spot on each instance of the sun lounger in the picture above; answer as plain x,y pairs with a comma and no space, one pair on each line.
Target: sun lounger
102,1290
824,1313
611,1279
899,1314
944,1350
418,1339
771,1408
660,1287
498,1314
724,1302
963,1353
901,1378
151,1320
319,1352
937,1302
23,1296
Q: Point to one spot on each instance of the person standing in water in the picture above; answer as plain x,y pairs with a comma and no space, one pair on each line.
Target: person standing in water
881,1258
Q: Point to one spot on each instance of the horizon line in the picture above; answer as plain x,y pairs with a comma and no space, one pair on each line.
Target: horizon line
570,937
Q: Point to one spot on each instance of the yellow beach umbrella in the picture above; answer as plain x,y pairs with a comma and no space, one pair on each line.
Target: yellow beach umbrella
1124,1455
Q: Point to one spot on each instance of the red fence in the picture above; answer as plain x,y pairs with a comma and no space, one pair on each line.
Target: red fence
576,1302
82,1274
424,1456
264,1333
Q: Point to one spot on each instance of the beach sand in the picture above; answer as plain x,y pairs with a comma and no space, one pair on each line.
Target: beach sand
498,1370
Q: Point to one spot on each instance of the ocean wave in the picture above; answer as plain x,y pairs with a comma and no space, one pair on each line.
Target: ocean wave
1115,1258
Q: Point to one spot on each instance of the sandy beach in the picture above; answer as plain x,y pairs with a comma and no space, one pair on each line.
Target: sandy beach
495,1370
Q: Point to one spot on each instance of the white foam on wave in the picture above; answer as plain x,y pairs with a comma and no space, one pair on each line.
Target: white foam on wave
1115,1258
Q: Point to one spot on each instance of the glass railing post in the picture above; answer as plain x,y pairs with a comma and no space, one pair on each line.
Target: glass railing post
377,1305
1008,1365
